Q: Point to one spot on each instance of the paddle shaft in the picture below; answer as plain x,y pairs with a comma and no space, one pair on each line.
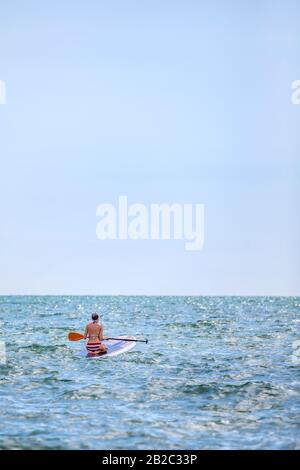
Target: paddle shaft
128,339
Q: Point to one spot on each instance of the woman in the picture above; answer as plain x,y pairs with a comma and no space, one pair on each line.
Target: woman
94,333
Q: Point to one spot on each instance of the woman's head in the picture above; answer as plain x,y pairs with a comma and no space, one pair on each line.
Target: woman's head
95,317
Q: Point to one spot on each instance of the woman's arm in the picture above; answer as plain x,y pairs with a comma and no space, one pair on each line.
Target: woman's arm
101,333
85,332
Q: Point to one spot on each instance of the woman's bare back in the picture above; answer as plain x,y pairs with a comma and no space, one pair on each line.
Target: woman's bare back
94,333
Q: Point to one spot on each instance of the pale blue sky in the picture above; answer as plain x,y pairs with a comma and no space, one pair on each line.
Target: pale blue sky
163,101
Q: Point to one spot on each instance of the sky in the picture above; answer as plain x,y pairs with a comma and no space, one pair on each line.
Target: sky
161,101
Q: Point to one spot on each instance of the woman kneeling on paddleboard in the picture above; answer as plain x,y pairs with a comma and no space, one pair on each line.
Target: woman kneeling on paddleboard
94,333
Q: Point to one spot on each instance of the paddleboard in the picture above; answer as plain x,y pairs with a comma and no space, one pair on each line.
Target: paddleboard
114,348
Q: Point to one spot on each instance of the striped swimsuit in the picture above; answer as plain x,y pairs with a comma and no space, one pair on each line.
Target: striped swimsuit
93,347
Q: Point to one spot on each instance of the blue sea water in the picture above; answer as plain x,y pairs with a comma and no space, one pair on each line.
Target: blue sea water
217,373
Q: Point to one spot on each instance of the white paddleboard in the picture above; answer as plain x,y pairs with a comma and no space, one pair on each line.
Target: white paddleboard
114,348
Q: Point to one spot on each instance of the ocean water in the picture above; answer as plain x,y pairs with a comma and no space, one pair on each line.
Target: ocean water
217,373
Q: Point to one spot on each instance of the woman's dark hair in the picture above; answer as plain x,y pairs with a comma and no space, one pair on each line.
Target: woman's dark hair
95,316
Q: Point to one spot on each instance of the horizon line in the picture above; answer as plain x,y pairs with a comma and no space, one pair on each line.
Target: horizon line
149,295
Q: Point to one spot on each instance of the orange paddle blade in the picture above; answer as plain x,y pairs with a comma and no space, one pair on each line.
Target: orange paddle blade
73,336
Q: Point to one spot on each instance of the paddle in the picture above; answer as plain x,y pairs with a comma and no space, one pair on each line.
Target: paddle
128,339
73,336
